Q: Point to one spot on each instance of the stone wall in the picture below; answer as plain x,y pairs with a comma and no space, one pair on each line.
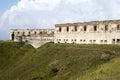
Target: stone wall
35,37
95,32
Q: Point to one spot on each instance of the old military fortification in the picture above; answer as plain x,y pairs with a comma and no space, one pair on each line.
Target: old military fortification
71,61
35,37
95,32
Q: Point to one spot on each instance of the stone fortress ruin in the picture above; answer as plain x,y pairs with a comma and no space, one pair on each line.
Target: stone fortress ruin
94,32
35,37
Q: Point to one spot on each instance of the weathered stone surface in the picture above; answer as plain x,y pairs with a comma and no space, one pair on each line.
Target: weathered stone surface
35,37
94,32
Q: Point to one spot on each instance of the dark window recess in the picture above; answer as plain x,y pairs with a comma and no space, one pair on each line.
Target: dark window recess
94,40
26,40
118,27
118,40
113,40
13,36
23,34
67,29
29,33
18,32
35,33
75,28
106,27
105,40
95,28
40,33
101,40
60,29
85,28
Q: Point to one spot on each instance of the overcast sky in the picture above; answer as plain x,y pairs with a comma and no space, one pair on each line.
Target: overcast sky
42,14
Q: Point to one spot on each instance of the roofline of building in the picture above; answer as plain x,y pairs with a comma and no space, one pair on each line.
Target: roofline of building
88,23
31,29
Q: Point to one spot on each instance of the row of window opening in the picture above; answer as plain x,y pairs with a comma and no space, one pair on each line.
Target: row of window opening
114,41
85,28
29,33
81,40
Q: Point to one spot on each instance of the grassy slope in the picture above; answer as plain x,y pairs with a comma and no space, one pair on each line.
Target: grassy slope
59,62
107,71
11,54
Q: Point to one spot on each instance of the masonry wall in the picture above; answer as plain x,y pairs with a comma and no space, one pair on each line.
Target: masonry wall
35,37
95,32
98,32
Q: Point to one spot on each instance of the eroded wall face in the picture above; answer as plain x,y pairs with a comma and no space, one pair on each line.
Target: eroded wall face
88,33
32,36
96,32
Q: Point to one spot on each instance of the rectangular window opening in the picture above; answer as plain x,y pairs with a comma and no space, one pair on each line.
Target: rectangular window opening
67,29
60,29
85,28
75,28
95,28
118,27
106,27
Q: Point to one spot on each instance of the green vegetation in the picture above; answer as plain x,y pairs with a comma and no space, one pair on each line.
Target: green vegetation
59,62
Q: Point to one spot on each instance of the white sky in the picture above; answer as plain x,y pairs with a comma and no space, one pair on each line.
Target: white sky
43,14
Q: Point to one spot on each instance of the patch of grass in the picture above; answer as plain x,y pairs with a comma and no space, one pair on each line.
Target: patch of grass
55,61
107,71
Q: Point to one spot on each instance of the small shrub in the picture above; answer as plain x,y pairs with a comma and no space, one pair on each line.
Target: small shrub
54,71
